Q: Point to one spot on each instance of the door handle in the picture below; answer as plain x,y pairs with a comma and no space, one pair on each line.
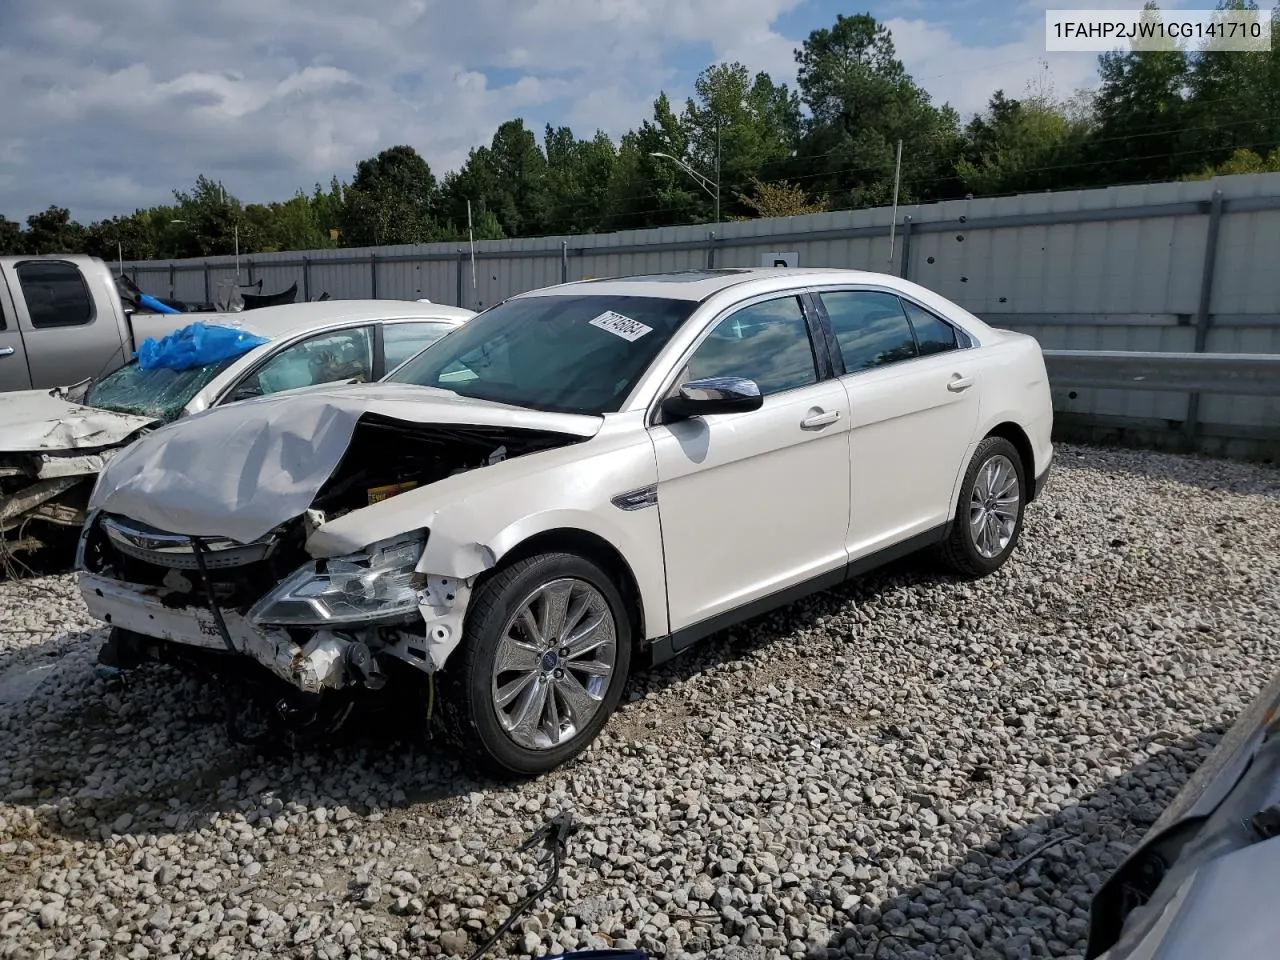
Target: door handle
6,351
819,420
959,383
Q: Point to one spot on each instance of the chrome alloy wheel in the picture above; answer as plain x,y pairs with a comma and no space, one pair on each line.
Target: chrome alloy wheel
554,661
993,508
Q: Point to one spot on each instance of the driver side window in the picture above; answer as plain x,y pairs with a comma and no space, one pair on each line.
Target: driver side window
766,342
323,358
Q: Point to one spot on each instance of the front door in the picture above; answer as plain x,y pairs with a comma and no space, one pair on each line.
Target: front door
14,374
754,503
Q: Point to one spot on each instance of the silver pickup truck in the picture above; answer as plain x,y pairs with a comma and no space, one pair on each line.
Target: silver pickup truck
62,321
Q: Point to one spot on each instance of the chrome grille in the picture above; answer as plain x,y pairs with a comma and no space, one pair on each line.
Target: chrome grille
176,551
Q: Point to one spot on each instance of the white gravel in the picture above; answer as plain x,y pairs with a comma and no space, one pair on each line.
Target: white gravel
873,762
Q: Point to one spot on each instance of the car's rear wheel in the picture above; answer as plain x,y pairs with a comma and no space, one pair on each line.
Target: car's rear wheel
988,520
542,665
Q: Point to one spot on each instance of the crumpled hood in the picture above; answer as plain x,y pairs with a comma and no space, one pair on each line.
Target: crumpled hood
37,421
241,470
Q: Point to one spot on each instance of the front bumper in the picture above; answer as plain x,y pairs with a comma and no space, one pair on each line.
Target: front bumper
133,606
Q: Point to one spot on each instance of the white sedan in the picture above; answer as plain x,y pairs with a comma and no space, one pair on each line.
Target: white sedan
581,477
54,442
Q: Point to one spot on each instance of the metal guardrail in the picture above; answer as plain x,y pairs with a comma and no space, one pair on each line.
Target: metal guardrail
1240,374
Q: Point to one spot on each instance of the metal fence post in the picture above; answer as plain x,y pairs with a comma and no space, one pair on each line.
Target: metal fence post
306,279
460,259
906,248
1191,425
249,265
564,261
208,296
172,295
373,276
711,250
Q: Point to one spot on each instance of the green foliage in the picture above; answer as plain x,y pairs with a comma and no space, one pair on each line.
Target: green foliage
392,199
831,143
52,231
861,103
779,200
11,239
1019,145
1242,161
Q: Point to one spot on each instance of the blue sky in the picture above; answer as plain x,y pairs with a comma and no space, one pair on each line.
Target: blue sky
111,104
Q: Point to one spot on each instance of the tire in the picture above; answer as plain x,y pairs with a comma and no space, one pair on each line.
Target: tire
472,696
965,551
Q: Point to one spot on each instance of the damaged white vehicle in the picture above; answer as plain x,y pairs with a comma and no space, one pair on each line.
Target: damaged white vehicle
580,477
54,442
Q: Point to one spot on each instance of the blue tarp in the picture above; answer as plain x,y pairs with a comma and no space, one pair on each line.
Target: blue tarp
147,300
194,346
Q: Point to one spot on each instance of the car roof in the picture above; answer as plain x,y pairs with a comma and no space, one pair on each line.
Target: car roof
289,318
697,285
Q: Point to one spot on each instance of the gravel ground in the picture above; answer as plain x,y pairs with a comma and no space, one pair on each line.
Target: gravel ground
866,770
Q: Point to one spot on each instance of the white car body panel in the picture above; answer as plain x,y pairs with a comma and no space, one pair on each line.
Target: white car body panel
907,446
478,517
752,503
749,505
38,421
206,481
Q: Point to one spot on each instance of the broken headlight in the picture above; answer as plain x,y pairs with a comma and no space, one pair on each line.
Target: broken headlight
375,584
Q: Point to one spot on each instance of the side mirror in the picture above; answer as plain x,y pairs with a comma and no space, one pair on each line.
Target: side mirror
713,395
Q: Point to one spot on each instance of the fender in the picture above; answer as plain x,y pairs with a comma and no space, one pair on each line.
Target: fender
474,519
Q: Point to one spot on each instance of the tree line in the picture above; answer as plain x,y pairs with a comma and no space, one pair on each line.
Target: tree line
828,144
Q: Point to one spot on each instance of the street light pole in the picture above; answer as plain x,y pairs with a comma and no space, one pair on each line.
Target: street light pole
712,187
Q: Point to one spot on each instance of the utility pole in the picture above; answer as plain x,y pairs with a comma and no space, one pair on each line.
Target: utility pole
893,222
471,241
717,169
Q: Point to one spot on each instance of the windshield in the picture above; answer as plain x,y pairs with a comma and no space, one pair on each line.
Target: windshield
562,354
159,393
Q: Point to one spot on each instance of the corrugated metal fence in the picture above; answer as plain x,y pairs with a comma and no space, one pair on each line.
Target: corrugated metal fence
1170,267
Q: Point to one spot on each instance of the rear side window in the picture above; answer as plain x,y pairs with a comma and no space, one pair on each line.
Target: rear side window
933,335
402,340
870,328
55,292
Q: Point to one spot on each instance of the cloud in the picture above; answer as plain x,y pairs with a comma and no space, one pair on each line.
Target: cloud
967,74
111,104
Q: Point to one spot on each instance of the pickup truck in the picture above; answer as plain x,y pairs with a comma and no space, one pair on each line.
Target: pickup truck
62,321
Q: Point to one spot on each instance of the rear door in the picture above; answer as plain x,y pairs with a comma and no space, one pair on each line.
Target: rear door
913,399
67,339
14,374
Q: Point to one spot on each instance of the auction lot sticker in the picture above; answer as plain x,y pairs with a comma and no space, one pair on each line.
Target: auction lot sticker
620,326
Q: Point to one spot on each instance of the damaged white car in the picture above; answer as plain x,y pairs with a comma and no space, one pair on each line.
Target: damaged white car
580,477
54,442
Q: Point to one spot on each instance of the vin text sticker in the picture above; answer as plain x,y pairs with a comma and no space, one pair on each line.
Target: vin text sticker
620,326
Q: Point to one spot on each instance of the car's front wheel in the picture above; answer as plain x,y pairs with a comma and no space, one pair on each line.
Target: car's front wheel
988,520
542,664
